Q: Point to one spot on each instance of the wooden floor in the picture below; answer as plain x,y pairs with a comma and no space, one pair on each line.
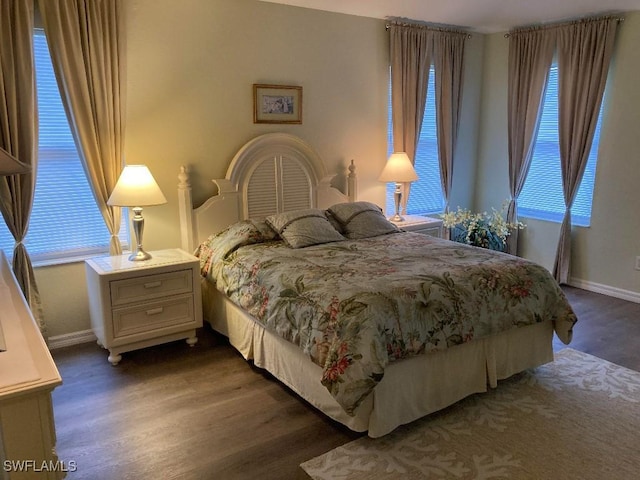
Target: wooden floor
174,412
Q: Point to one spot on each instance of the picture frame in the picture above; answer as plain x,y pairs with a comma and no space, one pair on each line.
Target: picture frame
277,104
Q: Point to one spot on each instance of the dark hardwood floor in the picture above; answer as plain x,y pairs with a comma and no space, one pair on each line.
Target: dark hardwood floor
607,327
174,412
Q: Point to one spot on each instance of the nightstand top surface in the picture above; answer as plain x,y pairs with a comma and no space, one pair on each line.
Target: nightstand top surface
417,219
108,264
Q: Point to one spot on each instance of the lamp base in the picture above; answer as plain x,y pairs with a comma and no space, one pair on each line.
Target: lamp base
397,199
139,255
138,228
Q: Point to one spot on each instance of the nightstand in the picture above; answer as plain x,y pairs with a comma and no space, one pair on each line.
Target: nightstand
139,304
421,224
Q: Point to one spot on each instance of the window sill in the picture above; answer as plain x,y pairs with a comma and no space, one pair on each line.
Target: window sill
552,219
65,260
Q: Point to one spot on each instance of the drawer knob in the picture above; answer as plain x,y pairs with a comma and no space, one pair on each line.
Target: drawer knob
155,311
152,284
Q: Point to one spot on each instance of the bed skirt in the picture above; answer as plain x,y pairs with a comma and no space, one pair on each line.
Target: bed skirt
410,389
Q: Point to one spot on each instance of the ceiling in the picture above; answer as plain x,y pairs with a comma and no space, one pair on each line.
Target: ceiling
485,16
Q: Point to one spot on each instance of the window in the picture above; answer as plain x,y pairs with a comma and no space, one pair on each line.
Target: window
426,193
541,196
65,223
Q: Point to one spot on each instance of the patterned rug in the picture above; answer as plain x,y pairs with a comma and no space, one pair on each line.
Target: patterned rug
576,418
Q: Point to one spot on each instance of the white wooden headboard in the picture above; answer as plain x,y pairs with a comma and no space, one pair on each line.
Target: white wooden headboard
272,173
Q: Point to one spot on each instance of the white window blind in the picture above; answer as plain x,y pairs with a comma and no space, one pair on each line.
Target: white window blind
426,193
541,196
65,221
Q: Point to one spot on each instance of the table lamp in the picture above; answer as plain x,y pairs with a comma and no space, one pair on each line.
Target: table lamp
10,165
399,170
136,188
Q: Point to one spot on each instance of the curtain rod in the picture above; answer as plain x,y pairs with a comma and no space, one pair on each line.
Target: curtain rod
561,24
429,27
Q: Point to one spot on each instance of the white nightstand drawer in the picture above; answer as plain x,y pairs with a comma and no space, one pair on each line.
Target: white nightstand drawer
134,290
153,315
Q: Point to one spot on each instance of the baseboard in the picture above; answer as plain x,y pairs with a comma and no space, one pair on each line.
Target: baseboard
605,290
73,338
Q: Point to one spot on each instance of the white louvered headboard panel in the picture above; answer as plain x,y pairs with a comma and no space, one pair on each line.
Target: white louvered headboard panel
260,197
276,185
296,186
272,173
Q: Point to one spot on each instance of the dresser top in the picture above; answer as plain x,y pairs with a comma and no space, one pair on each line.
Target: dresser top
26,365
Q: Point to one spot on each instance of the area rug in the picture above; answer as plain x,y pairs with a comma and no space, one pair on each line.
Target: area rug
575,418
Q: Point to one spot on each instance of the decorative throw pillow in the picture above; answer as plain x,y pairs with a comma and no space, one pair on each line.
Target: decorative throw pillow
303,228
362,220
334,222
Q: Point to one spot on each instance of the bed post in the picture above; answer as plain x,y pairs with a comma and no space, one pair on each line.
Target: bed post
352,183
185,208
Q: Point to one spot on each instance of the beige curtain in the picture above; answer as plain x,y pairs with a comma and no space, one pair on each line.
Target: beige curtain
584,54
411,48
448,59
18,136
86,44
530,57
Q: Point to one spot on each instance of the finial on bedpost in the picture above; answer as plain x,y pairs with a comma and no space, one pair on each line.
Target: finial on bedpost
183,178
352,183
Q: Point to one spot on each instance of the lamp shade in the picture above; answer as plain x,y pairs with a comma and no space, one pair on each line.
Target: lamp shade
136,187
10,165
398,169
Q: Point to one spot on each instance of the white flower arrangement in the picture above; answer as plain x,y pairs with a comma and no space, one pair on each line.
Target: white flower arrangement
480,229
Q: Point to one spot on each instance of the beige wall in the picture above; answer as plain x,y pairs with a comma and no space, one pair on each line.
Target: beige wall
603,254
191,66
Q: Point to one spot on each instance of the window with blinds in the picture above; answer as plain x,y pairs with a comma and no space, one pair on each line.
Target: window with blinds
65,223
426,193
541,196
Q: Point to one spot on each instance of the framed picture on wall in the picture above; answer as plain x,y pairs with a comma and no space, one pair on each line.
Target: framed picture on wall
277,104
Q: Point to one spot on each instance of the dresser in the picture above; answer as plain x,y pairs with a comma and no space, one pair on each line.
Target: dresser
421,224
138,304
28,375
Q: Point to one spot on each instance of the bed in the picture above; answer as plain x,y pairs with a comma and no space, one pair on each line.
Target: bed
373,344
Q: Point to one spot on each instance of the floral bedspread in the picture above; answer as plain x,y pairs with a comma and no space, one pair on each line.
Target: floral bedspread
355,306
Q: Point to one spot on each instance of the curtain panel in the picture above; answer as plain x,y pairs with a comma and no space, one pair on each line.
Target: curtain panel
584,54
18,136
584,49
411,50
449,70
413,47
530,57
87,51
